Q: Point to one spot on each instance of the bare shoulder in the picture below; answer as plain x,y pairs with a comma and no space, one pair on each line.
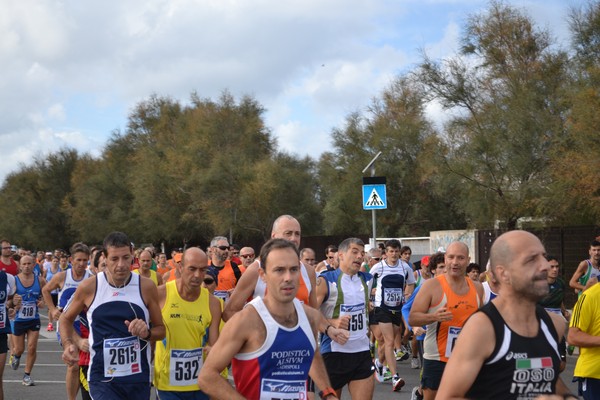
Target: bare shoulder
560,323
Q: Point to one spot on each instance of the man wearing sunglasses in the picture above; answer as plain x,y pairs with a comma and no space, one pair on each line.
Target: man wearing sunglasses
247,256
228,271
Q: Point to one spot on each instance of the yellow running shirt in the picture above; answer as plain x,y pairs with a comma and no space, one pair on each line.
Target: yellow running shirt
178,356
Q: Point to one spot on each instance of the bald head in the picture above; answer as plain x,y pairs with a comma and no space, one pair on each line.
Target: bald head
287,227
194,255
504,250
458,246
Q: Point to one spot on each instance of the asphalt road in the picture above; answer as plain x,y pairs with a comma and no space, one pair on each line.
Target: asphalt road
49,375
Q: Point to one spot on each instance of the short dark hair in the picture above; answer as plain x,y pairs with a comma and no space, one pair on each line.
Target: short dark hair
80,247
331,247
473,266
393,243
115,239
550,257
595,243
275,244
404,249
434,260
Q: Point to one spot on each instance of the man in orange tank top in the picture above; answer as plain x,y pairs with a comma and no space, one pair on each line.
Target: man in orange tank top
444,304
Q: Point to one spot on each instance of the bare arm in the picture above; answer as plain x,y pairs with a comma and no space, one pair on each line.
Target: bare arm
312,276
78,302
159,279
232,339
574,282
466,361
138,327
317,372
215,311
577,337
419,314
243,290
55,283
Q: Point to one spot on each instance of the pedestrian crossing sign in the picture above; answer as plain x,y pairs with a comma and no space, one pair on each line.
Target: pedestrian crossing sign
374,193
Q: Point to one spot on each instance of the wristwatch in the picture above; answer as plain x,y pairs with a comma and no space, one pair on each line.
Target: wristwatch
327,392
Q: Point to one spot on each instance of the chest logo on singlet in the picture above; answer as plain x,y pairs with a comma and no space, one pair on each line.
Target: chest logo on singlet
532,376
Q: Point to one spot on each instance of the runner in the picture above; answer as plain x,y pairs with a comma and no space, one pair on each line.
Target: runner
395,282
27,321
343,295
508,350
123,316
587,269
443,304
271,343
190,314
67,282
8,304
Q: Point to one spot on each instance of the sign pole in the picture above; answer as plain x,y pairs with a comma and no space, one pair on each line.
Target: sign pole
371,164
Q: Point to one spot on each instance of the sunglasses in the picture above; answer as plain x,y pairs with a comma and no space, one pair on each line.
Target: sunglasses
375,258
223,248
209,281
246,255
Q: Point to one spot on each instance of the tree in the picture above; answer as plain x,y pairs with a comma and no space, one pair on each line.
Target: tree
506,96
394,124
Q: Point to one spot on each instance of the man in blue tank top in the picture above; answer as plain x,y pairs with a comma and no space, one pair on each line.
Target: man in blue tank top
27,320
516,353
123,317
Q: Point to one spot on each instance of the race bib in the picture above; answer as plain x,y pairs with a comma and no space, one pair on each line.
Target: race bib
273,389
222,294
27,311
185,366
122,357
2,316
392,297
357,325
453,332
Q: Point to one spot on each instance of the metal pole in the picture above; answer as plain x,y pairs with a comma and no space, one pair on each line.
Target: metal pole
372,165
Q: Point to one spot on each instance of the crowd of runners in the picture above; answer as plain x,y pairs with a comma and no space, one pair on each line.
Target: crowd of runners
226,322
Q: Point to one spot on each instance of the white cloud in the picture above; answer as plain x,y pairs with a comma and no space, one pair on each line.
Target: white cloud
71,71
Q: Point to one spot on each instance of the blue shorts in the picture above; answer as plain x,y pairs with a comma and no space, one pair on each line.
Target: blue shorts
193,395
20,328
589,388
115,390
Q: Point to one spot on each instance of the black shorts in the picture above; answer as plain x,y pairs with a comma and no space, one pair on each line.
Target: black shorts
112,390
372,319
432,374
3,343
346,367
387,316
54,298
22,327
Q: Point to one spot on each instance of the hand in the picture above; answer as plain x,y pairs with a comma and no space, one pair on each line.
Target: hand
138,327
343,322
12,313
207,350
70,355
418,331
339,336
83,344
56,314
17,300
442,315
41,303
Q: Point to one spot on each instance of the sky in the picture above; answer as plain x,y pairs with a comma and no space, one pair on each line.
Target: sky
71,71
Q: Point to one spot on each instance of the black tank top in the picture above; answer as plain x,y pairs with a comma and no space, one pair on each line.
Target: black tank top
519,367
